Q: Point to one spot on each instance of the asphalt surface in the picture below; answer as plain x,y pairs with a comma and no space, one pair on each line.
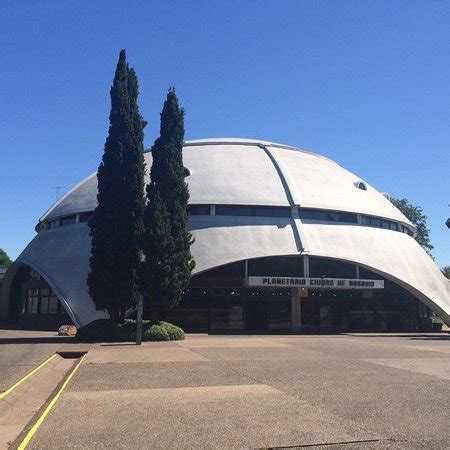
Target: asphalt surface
21,351
345,391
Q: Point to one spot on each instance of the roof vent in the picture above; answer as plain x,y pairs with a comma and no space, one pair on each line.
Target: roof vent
361,185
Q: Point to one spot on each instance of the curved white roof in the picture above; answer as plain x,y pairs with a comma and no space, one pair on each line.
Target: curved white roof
240,171
251,172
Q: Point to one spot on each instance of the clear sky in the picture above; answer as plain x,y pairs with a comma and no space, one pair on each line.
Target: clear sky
366,83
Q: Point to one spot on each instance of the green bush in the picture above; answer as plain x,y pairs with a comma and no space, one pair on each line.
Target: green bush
104,330
125,331
175,333
156,333
97,331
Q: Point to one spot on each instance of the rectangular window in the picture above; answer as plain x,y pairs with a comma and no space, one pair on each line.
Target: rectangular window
34,275
333,216
283,266
305,214
385,224
258,211
347,217
224,210
272,211
33,305
198,210
393,226
53,223
407,231
375,222
281,211
327,215
326,268
45,291
52,305
85,217
69,220
262,211
320,215
43,308
229,210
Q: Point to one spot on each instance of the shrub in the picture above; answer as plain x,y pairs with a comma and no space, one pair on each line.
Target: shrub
97,331
125,331
175,333
104,330
156,333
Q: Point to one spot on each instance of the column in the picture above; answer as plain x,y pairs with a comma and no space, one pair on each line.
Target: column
296,313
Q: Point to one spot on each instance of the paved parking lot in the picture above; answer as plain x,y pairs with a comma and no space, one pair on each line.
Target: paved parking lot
371,391
21,351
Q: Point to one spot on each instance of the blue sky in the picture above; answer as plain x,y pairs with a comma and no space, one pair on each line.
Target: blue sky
366,83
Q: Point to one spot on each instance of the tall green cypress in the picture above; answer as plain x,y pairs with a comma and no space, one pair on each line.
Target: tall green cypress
117,222
166,245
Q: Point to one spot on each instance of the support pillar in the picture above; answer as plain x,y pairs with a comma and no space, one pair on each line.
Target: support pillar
296,311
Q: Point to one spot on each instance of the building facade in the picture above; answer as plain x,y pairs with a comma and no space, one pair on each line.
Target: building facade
285,240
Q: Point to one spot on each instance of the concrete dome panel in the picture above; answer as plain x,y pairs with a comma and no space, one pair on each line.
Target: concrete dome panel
317,182
222,240
61,256
232,174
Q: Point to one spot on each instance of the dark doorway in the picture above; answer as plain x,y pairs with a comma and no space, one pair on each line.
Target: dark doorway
256,315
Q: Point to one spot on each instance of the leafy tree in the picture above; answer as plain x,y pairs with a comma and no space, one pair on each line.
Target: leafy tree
418,219
5,260
446,271
168,262
117,222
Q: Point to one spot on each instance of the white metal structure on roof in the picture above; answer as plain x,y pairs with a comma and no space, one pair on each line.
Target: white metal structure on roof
231,171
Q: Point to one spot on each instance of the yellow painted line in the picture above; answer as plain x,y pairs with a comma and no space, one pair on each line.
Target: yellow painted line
40,366
38,423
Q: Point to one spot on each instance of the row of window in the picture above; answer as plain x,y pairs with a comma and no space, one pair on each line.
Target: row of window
304,213
240,210
262,211
378,222
41,301
67,220
327,215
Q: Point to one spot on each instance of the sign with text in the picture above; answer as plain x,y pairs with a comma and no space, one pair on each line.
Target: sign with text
318,283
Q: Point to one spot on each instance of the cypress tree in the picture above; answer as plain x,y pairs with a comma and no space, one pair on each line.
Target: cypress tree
117,222
168,261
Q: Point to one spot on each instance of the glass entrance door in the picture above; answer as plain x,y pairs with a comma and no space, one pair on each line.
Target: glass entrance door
256,315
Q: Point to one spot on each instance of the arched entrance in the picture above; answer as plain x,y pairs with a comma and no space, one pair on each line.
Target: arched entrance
29,301
267,295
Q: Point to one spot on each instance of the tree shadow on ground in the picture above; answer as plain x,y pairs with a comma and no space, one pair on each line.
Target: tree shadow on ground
431,338
38,340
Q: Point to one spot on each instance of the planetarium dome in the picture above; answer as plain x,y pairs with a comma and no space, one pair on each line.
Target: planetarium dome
249,199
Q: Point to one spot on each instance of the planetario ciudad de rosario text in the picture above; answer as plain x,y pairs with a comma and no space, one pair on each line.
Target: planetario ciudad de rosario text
285,241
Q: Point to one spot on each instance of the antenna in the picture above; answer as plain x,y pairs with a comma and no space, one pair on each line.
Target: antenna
57,191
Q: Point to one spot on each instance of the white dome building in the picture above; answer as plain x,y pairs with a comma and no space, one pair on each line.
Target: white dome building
284,240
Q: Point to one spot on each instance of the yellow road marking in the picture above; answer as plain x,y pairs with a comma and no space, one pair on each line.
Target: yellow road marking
5,393
38,423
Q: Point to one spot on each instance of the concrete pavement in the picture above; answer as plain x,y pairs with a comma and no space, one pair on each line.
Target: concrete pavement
22,350
352,391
